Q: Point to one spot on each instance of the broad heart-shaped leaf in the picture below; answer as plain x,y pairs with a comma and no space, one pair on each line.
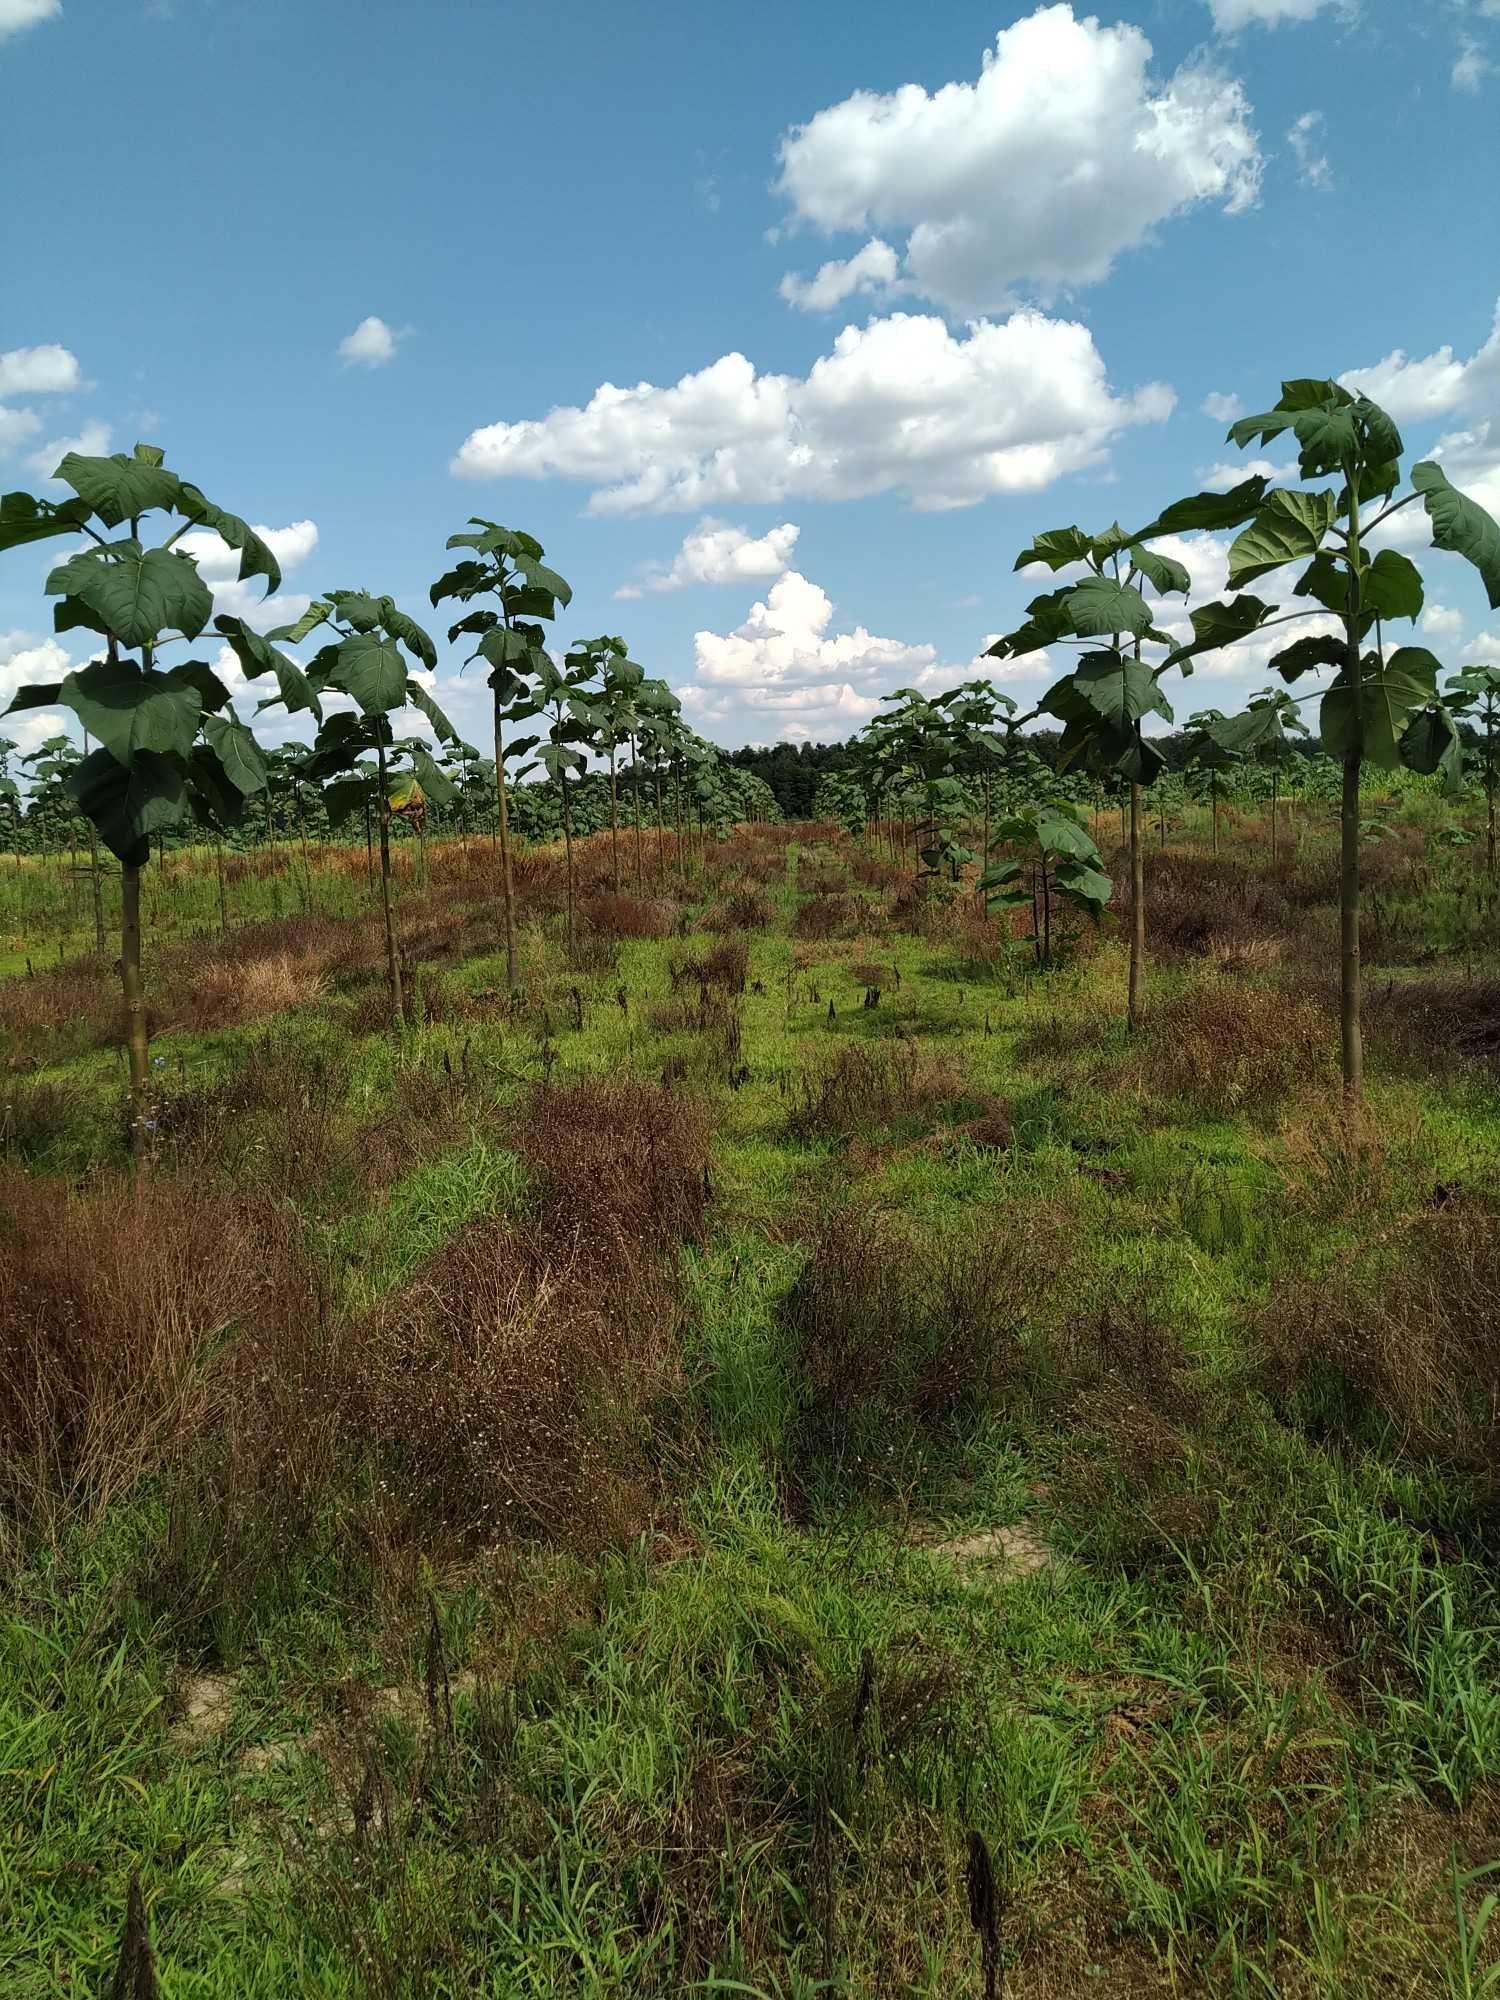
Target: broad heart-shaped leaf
418,696
1319,649
1261,723
345,797
372,672
198,674
460,581
1120,688
408,631
1220,624
215,800
1391,587
24,519
1383,442
131,709
118,488
242,759
1290,525
1098,606
477,623
311,619
530,602
1164,573
1046,620
1329,439
1211,511
1328,580
502,645
256,557
134,593
1430,743
128,805
258,656
434,781
1460,525
539,577
1064,836
1057,548
1389,691
1084,884
357,608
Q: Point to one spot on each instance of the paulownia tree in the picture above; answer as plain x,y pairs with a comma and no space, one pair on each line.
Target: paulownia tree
364,662
1061,864
1382,706
506,567
1475,692
168,737
1263,733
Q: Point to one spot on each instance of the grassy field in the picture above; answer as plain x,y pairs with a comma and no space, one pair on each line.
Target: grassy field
788,1457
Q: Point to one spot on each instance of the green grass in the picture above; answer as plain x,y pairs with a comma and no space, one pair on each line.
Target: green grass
1240,1735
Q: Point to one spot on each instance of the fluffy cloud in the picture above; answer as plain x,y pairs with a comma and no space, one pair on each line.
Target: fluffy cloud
37,371
1440,621
901,404
785,643
1305,138
18,14
1231,15
1229,472
1471,67
715,552
371,344
91,442
1434,384
217,564
17,427
23,659
1064,152
872,269
1223,409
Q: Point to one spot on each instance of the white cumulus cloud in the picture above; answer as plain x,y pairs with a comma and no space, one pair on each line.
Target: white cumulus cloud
1441,621
218,564
785,642
1430,385
901,404
716,552
1305,136
37,371
91,442
1222,408
1064,152
1232,15
371,344
1471,67
18,14
17,427
24,659
872,269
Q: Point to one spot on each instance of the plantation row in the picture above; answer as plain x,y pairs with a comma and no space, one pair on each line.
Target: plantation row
171,743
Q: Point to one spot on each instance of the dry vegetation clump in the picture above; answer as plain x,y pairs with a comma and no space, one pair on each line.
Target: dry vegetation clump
744,908
828,917
226,993
504,1388
823,880
874,1085
613,915
1435,1023
627,1160
725,967
1226,1046
114,1306
78,1002
1218,905
1401,1331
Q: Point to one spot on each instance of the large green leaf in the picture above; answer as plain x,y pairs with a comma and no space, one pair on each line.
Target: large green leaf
1319,649
1084,884
311,619
256,557
408,631
1290,525
357,608
1212,512
129,804
460,581
258,656
118,488
540,578
1057,548
1389,690
1119,688
1430,743
24,519
242,759
372,672
345,797
130,709
1047,619
442,727
1460,525
1098,606
434,781
1221,623
1164,573
136,594
1327,579
1391,587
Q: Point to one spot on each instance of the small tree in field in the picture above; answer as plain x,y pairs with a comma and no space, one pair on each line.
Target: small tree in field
1381,708
1264,732
1475,691
1061,866
505,566
364,663
167,736
10,795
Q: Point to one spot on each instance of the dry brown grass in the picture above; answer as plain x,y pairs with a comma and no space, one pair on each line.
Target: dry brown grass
620,1161
1226,1046
875,1085
228,993
114,1305
724,967
626,916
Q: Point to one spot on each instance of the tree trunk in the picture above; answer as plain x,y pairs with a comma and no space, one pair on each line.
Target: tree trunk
502,820
635,801
223,902
1213,793
1275,804
661,832
567,820
369,850
614,819
392,956
98,889
1489,801
1351,1040
1137,912
135,1006
306,857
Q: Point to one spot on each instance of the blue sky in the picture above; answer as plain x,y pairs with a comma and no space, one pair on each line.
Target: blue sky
883,302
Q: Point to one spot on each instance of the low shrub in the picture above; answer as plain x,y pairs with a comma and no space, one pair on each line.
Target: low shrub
870,1086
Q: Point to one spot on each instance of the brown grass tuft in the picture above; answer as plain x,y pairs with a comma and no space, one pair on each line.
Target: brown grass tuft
620,1160
874,1085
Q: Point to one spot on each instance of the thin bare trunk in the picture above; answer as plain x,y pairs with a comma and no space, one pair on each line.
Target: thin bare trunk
507,886
392,955
1137,912
135,1006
